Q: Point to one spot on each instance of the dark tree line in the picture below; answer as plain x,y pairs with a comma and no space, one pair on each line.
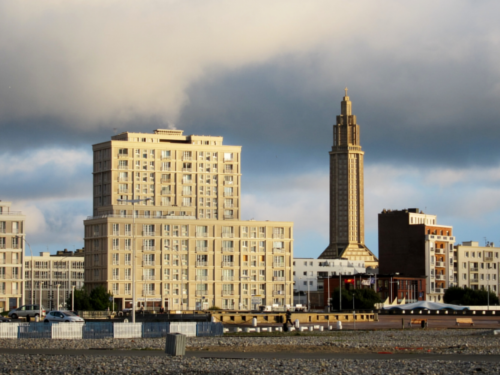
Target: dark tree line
97,299
469,297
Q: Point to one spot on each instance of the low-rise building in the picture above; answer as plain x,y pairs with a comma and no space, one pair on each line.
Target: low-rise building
11,257
54,276
477,267
309,275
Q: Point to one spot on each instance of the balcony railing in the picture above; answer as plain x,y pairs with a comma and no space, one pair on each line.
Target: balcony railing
439,251
262,264
124,167
227,194
148,233
228,205
187,169
278,264
229,217
165,169
148,262
148,248
201,234
440,264
278,250
184,158
227,278
474,269
488,259
278,292
229,171
201,292
228,182
201,249
279,278
228,249
166,180
227,235
244,264
440,277
201,264
201,277
11,213
228,292
227,264
148,292
148,277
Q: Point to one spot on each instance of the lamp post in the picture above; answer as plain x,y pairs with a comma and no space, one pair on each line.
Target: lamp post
32,270
58,285
340,291
241,290
133,201
353,311
73,299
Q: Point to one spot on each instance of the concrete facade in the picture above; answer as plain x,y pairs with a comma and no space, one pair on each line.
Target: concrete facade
65,268
477,267
347,208
12,239
412,243
192,249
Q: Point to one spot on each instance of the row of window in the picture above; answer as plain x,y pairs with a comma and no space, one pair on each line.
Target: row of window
15,227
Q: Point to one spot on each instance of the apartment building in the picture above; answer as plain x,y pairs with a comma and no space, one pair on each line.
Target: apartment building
411,243
52,277
12,234
192,250
309,274
477,267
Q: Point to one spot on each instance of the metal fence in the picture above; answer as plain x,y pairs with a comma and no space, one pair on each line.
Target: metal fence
102,330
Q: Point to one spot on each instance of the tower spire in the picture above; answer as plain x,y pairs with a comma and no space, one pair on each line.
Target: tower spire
346,105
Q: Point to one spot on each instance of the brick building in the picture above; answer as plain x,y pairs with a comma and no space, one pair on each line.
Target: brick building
412,243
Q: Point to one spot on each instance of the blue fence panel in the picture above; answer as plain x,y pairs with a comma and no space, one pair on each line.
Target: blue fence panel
155,329
209,329
97,330
36,331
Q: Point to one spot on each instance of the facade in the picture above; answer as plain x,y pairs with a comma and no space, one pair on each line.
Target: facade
412,243
347,208
53,277
12,238
192,250
389,287
477,267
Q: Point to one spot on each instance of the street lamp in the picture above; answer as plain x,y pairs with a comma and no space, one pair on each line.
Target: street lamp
32,270
133,201
241,290
73,299
58,285
353,311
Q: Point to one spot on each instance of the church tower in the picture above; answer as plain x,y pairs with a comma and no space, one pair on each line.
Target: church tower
347,207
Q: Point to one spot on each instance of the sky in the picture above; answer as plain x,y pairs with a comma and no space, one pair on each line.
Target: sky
423,77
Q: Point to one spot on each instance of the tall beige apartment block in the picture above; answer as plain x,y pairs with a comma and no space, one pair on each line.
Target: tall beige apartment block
347,207
477,267
11,257
53,278
192,249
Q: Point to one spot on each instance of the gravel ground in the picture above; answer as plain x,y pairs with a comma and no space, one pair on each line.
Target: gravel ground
36,364
472,341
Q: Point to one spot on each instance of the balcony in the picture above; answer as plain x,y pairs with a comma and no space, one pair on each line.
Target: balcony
122,179
201,277
148,248
229,171
148,262
187,158
244,264
278,264
228,182
201,234
123,167
187,169
439,290
488,259
440,277
440,264
228,217
279,278
202,292
227,264
278,235
128,263
228,205
228,194
201,249
227,235
165,169
148,292
277,250
148,277
228,249
148,234
229,160
166,180
474,269
263,264
187,204
278,292
228,292
439,251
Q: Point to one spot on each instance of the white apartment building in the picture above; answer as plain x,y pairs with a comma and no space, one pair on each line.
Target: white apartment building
12,232
308,273
53,277
477,267
192,251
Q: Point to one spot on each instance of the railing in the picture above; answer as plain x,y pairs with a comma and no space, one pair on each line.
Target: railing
148,292
125,167
440,264
228,249
201,234
185,158
148,233
227,278
439,290
166,192
201,264
228,292
278,292
227,235
228,160
148,248
439,251
148,262
228,217
474,269
166,180
227,264
228,205
278,264
278,278
244,264
148,277
227,194
11,213
184,204
488,259
440,277
128,263
122,179
201,249
201,278
201,292
229,171
185,193
278,235
187,169
228,182
165,169
278,250
263,264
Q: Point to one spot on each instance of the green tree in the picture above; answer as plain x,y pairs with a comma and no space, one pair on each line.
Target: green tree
469,297
364,299
100,298
82,300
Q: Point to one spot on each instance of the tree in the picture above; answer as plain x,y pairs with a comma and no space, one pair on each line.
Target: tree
469,297
100,298
82,300
365,298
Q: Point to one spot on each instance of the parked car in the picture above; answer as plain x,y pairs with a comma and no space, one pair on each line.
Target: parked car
3,319
25,311
62,316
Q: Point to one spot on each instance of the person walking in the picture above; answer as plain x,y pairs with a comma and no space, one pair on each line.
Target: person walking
288,317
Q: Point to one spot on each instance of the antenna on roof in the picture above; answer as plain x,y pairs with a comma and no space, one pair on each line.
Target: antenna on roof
115,130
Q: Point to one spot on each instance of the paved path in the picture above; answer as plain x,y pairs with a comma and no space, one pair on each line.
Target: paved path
263,355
